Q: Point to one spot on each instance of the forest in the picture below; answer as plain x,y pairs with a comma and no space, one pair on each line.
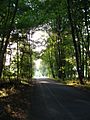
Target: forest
67,47
56,33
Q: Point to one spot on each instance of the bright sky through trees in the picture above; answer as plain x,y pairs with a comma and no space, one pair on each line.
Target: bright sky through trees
13,52
37,68
39,38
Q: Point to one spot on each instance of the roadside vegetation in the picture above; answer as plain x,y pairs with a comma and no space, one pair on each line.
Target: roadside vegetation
66,53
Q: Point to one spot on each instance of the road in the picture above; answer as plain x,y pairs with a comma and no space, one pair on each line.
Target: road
54,101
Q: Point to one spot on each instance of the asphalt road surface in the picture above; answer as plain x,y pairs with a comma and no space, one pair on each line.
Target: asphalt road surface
54,101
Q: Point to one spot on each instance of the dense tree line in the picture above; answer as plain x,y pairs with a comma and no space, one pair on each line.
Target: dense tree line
74,23
68,47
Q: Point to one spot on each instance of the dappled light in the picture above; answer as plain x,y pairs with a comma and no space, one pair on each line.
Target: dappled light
39,45
44,59
43,81
15,112
54,100
15,103
7,91
73,82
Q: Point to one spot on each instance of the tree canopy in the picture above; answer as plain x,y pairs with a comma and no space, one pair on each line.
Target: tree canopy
67,24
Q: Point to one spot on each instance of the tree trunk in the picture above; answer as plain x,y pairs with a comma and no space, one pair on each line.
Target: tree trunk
86,8
3,51
74,42
51,65
17,59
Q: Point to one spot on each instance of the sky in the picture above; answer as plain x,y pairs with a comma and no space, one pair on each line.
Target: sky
39,37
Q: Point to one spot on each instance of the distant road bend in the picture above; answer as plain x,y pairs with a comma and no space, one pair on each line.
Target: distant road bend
53,101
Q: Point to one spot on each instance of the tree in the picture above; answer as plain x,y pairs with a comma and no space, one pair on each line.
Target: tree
7,20
80,39
63,18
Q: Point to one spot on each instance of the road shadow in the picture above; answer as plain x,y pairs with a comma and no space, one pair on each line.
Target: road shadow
15,105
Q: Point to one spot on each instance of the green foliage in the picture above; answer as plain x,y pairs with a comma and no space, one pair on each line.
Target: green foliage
61,51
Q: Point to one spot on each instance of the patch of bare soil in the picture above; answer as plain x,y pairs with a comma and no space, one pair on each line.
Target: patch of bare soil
15,102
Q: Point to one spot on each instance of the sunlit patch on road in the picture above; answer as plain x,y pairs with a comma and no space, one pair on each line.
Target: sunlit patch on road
43,81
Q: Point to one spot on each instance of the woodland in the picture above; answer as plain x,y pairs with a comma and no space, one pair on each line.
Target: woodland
67,48
67,52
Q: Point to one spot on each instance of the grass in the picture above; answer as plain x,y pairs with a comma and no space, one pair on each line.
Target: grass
75,83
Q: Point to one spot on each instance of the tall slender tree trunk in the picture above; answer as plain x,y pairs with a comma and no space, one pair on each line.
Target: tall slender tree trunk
17,59
74,42
86,8
51,64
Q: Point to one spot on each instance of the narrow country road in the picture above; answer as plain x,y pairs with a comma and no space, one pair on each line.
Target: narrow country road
53,101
